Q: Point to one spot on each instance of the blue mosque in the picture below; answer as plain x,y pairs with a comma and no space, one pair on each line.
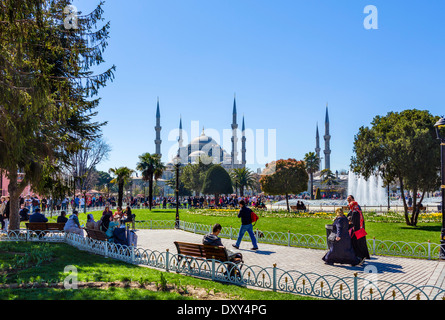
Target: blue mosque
205,146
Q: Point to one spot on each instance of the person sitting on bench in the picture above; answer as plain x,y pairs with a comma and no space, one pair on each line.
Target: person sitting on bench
212,239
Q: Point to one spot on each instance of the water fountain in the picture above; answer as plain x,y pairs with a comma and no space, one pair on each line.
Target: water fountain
367,192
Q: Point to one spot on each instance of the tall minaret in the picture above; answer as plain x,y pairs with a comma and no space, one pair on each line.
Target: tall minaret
327,138
317,147
234,138
158,130
243,144
180,141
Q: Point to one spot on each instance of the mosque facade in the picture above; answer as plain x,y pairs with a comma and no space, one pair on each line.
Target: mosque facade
206,147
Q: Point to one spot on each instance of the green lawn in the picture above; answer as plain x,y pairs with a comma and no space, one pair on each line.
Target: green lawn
379,227
24,263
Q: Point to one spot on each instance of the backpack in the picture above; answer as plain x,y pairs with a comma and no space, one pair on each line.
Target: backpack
254,217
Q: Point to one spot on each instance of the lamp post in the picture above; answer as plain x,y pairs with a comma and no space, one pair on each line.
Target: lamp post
177,164
441,124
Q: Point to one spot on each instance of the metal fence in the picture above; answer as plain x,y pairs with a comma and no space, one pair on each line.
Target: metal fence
253,276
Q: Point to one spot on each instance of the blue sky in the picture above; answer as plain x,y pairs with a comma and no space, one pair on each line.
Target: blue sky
284,59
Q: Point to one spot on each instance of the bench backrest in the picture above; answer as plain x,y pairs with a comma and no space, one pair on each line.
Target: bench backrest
215,252
190,249
40,226
96,234
55,226
201,251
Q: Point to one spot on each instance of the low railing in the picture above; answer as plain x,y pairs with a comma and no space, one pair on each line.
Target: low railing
269,278
426,250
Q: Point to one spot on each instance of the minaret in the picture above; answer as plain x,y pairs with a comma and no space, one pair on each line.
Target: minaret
180,141
234,138
243,144
327,138
158,130
317,147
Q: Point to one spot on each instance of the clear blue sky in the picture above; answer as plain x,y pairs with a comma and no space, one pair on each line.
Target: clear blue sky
284,59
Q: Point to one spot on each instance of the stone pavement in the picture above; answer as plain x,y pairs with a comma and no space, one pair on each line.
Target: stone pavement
417,272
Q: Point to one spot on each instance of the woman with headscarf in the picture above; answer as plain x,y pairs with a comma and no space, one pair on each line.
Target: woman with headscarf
357,230
91,224
341,250
73,225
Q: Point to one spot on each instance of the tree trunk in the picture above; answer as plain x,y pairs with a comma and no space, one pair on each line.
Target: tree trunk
414,207
287,202
14,193
416,216
121,194
312,185
150,192
405,207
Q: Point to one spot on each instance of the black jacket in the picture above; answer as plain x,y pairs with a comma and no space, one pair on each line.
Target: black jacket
245,215
212,240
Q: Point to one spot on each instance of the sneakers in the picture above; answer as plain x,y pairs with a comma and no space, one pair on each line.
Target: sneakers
254,249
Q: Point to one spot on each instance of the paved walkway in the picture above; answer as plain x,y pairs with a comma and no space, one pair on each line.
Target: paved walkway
393,269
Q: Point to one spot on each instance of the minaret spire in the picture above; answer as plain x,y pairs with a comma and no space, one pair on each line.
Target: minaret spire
180,132
327,138
158,128
317,147
234,136
243,144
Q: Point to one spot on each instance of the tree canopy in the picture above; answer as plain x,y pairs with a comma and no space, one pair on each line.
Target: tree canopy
47,88
285,177
151,168
401,147
217,181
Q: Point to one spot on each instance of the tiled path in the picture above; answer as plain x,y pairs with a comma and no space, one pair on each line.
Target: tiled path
417,272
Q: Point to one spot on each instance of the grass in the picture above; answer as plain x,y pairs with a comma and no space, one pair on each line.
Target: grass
94,269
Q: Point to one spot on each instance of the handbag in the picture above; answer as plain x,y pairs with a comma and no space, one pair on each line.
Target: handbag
332,236
360,233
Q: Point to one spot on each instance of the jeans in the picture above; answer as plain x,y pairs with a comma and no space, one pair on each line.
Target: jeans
249,229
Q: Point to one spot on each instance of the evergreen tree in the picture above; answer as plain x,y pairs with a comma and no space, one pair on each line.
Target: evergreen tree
217,181
47,89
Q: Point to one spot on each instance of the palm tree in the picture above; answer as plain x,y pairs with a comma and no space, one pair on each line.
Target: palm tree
122,176
151,168
243,178
312,162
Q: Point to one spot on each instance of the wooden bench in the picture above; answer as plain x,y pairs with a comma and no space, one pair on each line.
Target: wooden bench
96,234
204,252
208,252
55,226
36,226
42,228
295,208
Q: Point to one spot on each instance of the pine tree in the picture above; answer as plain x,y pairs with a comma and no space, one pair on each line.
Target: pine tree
48,92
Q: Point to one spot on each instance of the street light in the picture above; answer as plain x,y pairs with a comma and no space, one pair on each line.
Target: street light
177,164
441,124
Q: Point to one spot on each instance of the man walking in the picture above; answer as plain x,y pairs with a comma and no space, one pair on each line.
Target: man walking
246,226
